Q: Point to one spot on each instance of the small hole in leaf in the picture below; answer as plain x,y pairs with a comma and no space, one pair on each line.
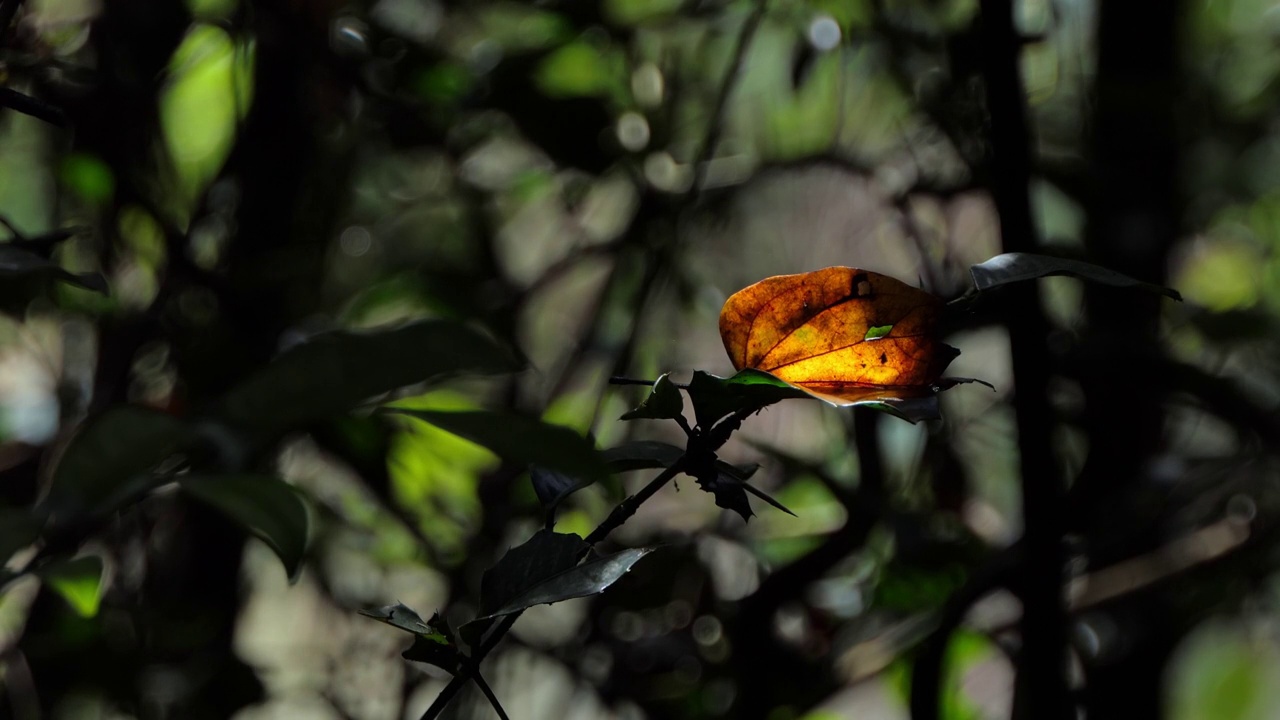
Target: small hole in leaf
875,332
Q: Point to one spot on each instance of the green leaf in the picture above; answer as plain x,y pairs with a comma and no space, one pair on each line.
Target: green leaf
520,439
333,373
18,529
749,390
106,460
78,581
266,506
641,455
664,402
589,578
1017,267
523,567
432,642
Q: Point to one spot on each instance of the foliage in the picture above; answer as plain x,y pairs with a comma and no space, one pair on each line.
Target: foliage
323,308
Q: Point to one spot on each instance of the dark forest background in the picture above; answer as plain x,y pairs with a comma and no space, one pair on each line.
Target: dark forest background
192,189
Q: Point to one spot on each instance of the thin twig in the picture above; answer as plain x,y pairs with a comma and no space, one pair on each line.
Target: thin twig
28,105
709,142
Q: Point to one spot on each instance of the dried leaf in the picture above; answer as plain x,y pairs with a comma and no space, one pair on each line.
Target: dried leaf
845,335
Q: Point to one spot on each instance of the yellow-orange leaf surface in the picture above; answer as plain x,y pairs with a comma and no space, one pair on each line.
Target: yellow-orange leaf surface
844,334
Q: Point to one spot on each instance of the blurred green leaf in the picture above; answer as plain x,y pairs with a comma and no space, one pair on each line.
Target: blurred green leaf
1219,671
520,439
332,373
109,457
634,12
664,402
78,581
266,506
579,69
208,93
1017,267
88,176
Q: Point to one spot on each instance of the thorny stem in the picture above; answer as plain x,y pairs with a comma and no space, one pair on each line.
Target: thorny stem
620,514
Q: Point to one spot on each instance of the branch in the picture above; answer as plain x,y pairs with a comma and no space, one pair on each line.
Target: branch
28,105
1041,678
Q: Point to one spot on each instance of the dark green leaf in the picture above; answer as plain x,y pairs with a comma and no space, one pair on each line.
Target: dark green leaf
104,461
520,439
589,578
16,262
544,555
332,373
641,455
18,529
728,492
264,505
664,402
748,390
1017,267
78,581
553,487
433,651
401,616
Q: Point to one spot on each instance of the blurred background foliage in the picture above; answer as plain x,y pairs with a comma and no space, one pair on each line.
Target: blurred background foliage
589,181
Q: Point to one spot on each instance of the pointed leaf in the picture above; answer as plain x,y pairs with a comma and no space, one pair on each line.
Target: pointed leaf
664,402
1017,267
78,581
641,455
334,372
589,578
520,439
266,506
400,616
106,458
740,474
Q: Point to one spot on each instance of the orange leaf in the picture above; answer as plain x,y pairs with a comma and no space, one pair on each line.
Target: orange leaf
843,334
